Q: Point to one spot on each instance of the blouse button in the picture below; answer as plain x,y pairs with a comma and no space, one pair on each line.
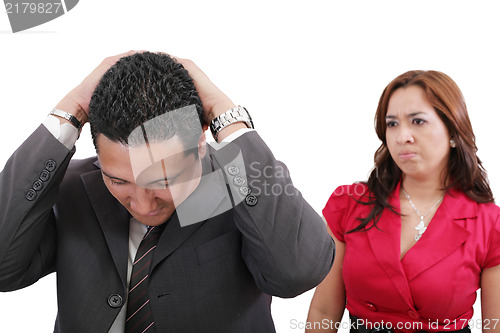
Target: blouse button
371,307
413,315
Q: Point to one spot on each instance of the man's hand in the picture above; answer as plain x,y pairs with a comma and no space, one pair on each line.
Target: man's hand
214,101
77,100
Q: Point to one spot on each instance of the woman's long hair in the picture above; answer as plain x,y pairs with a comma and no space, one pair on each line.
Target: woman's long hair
464,169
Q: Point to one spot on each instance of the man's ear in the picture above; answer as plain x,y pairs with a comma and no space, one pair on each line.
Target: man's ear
202,145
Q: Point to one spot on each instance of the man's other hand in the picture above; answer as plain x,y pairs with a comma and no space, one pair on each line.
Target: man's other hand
77,100
214,101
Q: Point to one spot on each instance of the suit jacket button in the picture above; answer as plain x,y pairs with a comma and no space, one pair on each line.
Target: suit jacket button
44,175
245,190
371,307
239,181
233,170
115,301
50,165
37,185
30,195
251,200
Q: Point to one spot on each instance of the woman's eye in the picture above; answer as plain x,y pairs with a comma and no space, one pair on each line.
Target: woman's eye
418,121
114,182
391,123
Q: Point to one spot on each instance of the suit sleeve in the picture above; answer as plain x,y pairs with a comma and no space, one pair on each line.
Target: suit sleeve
28,189
285,243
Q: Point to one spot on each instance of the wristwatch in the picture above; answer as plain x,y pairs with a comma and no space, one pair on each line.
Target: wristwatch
234,115
68,116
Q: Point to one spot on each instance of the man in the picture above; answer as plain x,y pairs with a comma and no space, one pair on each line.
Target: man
160,232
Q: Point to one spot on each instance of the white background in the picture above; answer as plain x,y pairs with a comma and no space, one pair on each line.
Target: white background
309,72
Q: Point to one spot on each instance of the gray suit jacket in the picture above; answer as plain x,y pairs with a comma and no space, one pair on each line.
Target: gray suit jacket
217,275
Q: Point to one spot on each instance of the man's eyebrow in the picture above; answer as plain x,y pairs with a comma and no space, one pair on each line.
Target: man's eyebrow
113,177
159,180
164,178
168,179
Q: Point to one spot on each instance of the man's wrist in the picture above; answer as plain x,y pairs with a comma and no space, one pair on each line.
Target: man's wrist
229,130
66,133
230,121
68,116
74,109
216,111
219,109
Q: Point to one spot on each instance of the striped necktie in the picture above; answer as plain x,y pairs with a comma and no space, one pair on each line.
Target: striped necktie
139,316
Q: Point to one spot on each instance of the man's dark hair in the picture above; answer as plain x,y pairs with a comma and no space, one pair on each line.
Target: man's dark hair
140,88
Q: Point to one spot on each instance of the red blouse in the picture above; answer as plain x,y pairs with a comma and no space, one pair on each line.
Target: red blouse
433,287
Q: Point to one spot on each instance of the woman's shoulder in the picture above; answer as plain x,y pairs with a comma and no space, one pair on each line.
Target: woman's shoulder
464,205
488,214
344,206
347,196
357,191
489,208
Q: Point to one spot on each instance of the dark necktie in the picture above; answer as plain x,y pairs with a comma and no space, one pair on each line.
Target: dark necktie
139,316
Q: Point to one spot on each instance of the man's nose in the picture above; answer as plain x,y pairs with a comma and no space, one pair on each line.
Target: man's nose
143,201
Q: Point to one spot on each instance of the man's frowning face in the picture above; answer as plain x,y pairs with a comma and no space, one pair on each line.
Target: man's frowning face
151,180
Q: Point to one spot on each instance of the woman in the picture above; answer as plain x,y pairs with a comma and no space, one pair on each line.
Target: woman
417,240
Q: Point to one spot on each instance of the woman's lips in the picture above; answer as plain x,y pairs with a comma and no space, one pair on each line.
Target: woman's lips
407,155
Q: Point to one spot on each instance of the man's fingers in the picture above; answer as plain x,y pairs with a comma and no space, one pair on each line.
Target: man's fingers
110,61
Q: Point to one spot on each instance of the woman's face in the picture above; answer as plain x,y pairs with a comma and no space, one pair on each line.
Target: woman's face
417,138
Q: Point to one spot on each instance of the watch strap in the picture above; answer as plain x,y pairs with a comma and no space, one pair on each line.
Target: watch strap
68,116
234,115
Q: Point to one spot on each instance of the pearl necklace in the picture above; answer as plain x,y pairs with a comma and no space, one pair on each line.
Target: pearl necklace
420,226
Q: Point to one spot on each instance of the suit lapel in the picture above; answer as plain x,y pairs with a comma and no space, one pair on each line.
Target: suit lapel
113,218
445,233
172,237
